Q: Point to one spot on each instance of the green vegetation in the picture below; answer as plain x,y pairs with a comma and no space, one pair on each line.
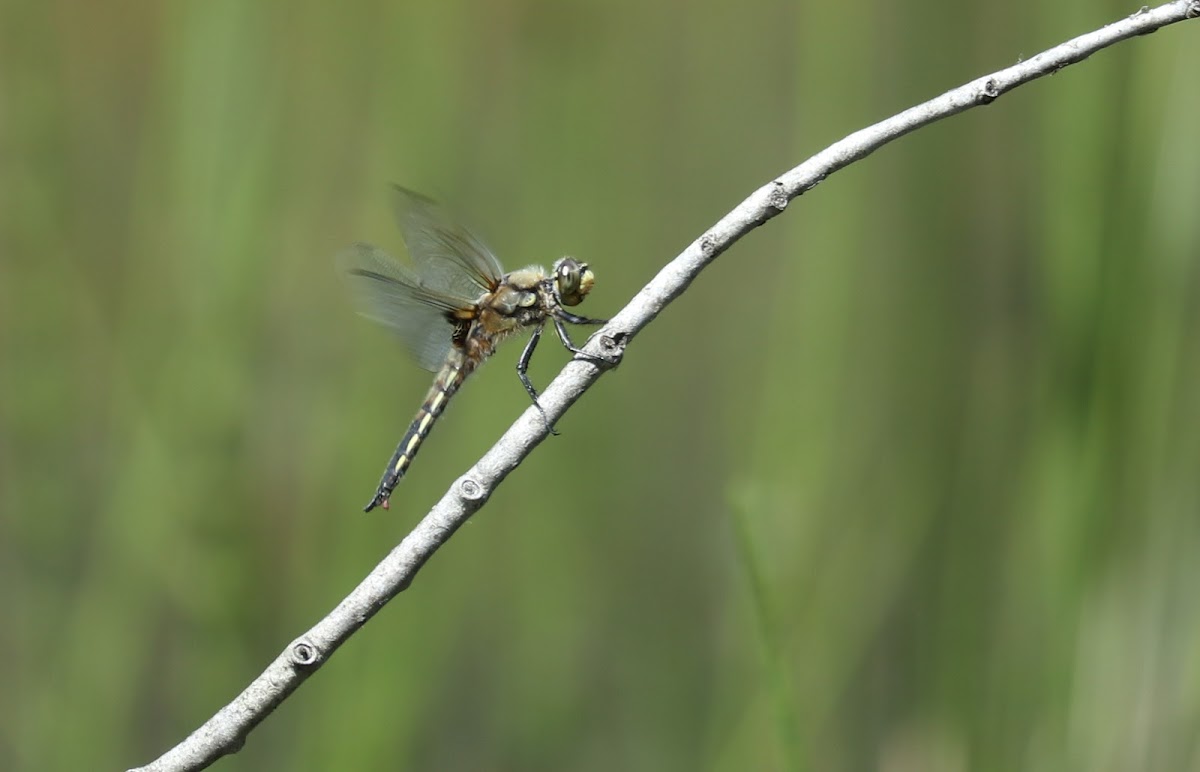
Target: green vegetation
907,481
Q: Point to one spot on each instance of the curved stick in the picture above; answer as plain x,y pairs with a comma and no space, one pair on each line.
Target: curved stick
226,731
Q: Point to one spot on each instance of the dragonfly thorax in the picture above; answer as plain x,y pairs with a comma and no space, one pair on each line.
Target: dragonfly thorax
522,295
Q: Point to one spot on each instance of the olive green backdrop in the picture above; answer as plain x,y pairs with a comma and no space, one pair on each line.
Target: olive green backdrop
908,480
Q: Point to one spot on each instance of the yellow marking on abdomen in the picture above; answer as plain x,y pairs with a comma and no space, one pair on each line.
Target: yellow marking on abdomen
449,379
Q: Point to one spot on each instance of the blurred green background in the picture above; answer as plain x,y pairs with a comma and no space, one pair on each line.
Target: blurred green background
906,481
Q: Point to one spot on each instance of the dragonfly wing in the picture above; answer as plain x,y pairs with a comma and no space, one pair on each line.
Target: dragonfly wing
392,294
448,257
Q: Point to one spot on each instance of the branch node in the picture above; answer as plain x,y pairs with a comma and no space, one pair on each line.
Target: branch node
990,91
470,489
708,245
305,654
612,347
778,200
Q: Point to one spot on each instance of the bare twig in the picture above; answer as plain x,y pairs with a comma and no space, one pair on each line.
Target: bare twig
226,731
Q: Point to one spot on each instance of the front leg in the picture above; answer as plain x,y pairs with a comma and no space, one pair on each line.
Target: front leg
567,316
565,337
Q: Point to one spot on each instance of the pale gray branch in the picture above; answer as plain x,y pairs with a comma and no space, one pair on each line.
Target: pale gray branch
226,731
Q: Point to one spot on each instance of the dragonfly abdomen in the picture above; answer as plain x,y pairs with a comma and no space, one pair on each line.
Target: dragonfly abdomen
445,384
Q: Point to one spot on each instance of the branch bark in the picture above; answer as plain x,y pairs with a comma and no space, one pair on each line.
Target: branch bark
226,731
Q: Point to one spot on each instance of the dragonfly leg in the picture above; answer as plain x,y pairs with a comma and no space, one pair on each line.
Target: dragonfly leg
565,337
523,374
567,316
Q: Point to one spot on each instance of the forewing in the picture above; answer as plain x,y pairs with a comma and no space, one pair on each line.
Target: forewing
392,294
447,256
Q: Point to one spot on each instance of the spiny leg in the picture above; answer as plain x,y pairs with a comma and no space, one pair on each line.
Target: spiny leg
523,374
565,337
567,316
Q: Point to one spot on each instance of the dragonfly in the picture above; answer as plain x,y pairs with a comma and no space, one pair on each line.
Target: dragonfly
453,307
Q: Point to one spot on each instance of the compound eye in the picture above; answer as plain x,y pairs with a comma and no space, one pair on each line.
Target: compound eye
568,278
572,281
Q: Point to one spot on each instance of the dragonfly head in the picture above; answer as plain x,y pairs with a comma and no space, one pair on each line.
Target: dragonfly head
573,280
